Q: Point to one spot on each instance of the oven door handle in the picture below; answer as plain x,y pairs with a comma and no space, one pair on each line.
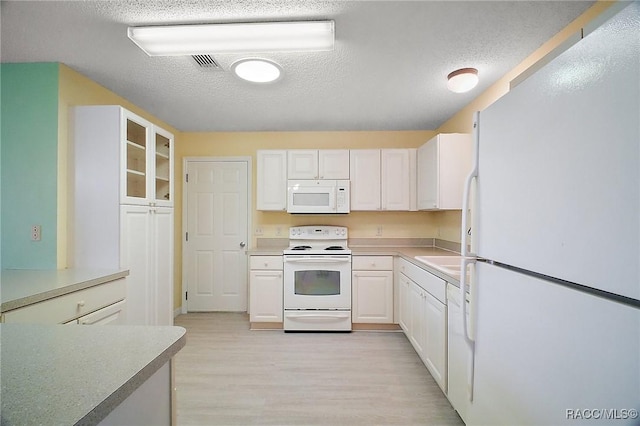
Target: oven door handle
320,316
318,260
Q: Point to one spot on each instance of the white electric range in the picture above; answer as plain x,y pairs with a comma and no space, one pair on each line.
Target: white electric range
317,279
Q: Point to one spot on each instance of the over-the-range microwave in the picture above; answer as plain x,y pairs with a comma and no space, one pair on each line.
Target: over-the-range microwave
318,196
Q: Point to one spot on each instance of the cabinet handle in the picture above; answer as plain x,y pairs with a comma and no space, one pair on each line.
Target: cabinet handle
80,304
266,264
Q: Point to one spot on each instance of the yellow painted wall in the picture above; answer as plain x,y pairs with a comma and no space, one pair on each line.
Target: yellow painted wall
360,224
76,89
462,121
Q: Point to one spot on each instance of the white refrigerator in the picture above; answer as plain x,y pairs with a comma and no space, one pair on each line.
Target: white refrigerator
554,334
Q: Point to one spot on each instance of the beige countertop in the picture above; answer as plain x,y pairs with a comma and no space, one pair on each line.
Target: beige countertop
20,288
408,253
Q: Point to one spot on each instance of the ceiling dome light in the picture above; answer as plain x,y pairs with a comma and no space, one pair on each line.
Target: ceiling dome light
462,80
257,70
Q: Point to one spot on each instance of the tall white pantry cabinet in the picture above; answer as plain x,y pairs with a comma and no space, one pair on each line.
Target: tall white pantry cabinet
122,205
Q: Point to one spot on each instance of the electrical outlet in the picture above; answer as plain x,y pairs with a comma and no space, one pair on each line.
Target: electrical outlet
379,231
259,231
36,232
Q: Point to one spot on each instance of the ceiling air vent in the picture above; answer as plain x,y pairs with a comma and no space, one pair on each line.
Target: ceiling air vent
206,62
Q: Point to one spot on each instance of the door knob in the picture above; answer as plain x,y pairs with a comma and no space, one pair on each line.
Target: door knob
242,244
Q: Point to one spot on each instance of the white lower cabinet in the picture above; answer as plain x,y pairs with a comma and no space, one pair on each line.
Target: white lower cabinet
93,305
404,307
423,317
435,354
265,289
146,240
372,289
115,314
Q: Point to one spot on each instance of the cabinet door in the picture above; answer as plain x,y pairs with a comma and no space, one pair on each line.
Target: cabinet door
136,159
455,158
372,297
404,305
111,315
417,334
333,164
395,182
162,266
135,249
162,188
271,180
265,296
302,164
443,164
435,339
365,179
427,175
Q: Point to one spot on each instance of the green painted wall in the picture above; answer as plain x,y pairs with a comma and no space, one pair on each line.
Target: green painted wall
28,162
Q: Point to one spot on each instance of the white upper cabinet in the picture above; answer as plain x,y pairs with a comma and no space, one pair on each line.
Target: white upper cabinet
271,180
146,162
398,179
443,164
365,179
318,164
383,179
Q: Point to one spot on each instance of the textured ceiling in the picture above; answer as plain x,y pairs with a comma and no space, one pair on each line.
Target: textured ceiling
387,72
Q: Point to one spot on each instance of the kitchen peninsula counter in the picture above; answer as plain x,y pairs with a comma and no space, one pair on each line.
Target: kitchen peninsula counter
59,374
19,288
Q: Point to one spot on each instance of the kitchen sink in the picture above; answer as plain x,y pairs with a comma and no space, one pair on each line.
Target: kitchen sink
450,265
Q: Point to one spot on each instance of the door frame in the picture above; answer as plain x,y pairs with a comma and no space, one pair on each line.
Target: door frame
249,161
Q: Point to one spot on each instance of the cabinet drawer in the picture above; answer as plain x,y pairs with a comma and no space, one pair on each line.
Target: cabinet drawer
429,282
372,263
265,262
64,308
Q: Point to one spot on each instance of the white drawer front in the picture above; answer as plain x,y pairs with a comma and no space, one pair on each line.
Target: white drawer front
62,309
265,262
429,282
372,263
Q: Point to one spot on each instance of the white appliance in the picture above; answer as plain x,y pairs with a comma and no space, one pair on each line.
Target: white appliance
318,196
555,293
317,279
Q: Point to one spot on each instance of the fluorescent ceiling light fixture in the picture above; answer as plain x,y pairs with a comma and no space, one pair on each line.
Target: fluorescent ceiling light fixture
256,70
179,40
462,80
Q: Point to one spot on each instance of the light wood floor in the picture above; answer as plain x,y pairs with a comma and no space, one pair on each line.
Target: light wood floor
229,375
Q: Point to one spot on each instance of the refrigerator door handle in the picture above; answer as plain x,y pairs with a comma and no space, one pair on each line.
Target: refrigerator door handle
473,174
468,327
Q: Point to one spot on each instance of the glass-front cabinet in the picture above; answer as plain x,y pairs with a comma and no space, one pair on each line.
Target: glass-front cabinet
163,167
147,163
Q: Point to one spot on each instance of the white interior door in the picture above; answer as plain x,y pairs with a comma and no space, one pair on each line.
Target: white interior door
217,232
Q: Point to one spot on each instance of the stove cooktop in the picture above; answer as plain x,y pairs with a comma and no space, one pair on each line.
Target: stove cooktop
318,239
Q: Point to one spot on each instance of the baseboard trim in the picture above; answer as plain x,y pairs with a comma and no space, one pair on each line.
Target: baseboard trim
375,327
266,326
